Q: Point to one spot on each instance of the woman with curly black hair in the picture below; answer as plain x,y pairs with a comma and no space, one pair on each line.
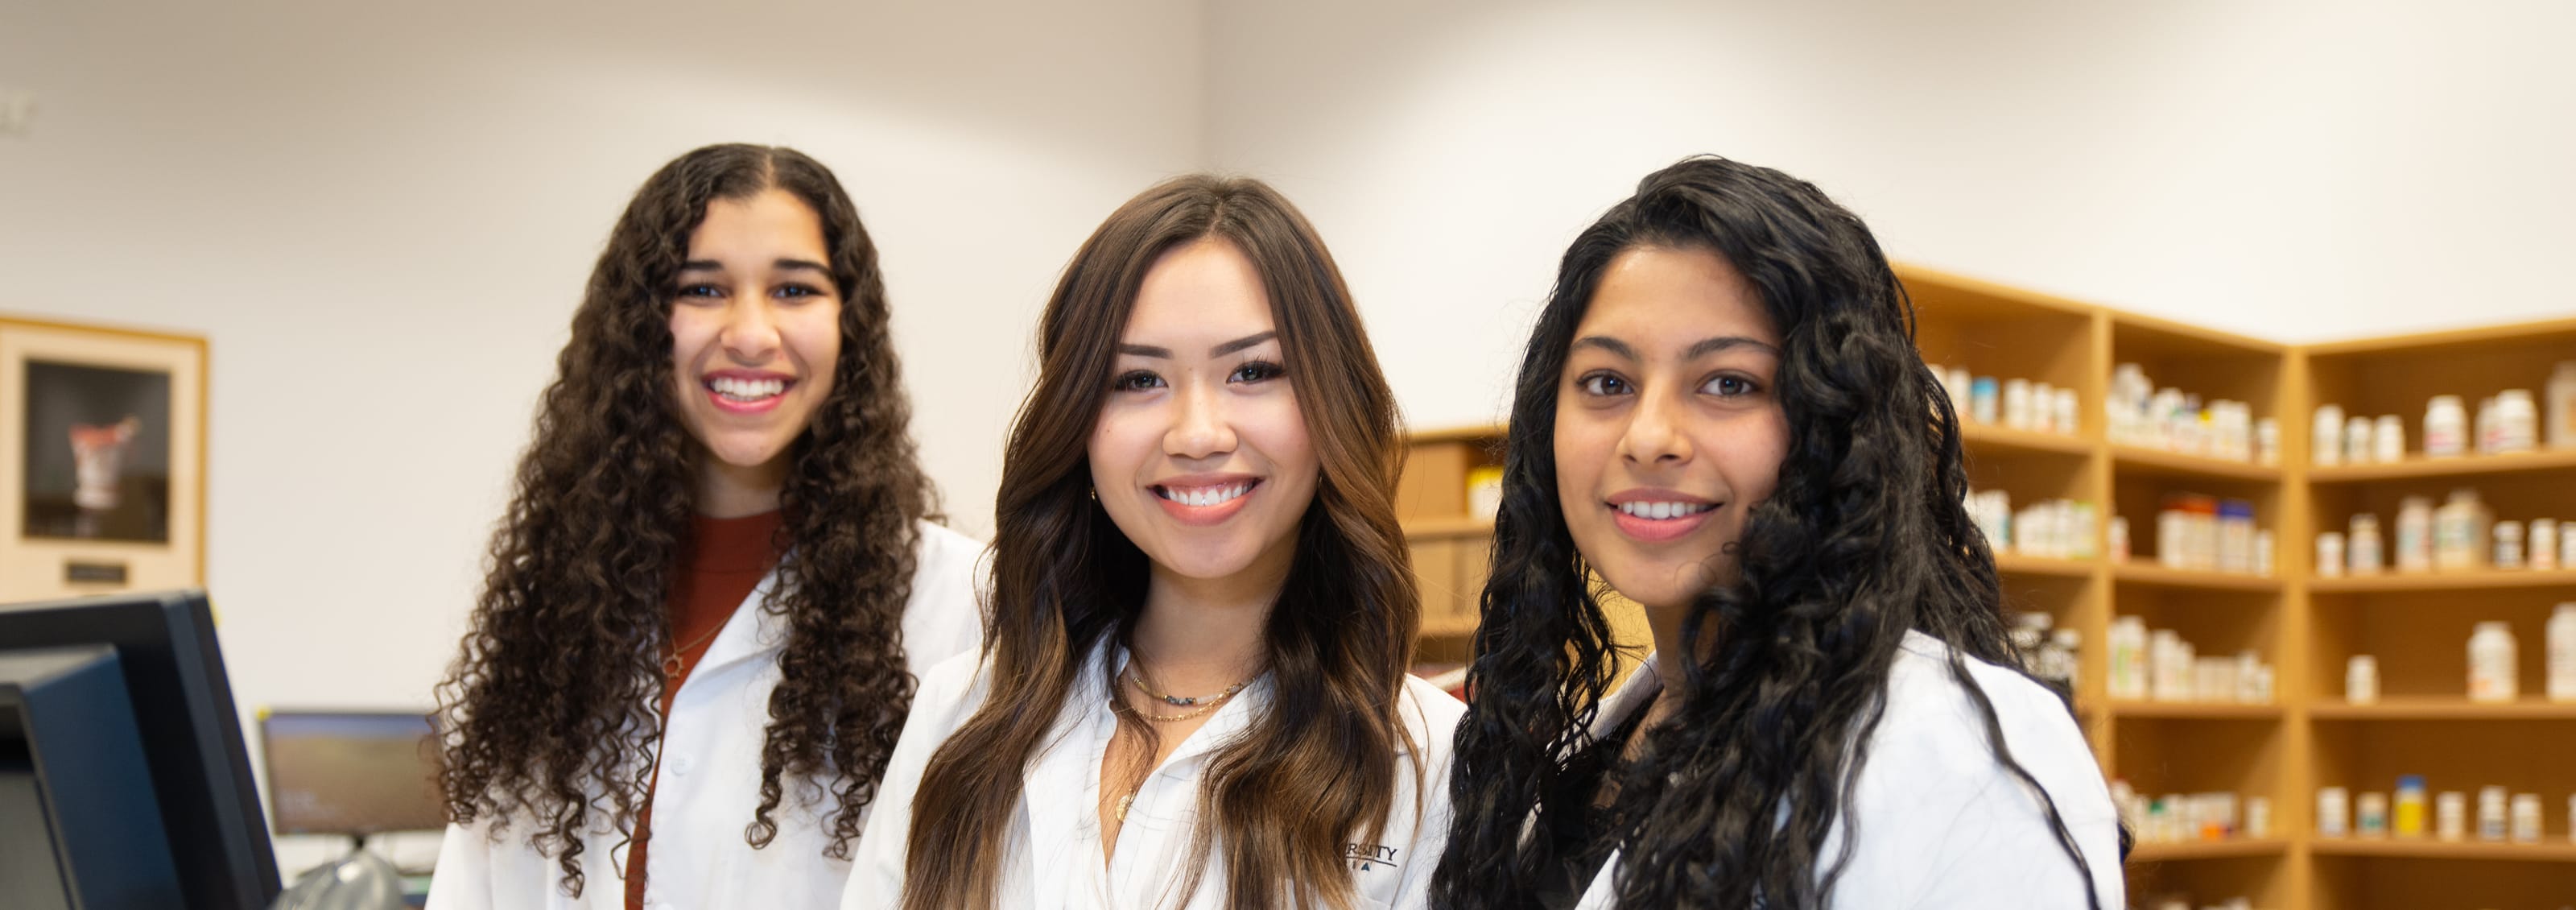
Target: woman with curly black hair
718,576
1722,414
1196,693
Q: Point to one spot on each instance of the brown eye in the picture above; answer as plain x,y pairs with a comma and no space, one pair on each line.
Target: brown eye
1602,384
1257,371
1729,386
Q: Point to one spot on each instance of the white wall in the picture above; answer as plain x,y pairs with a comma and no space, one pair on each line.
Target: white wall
2295,171
382,216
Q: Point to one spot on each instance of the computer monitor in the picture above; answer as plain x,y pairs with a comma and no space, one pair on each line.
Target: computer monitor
353,773
179,706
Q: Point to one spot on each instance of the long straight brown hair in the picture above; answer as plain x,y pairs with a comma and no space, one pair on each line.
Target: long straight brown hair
1318,767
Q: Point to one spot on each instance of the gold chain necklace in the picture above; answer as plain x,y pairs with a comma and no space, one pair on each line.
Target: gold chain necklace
671,665
1204,703
1178,701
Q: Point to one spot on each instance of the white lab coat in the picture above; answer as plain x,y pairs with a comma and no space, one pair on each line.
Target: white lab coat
710,777
1943,825
1053,859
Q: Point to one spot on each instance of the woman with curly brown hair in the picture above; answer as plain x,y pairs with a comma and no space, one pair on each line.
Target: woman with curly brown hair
1196,691
718,576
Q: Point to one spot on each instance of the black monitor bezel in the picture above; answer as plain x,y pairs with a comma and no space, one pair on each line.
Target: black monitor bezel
174,673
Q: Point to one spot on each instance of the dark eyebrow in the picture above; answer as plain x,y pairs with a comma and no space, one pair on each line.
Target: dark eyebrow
1707,346
1147,350
1616,347
1241,343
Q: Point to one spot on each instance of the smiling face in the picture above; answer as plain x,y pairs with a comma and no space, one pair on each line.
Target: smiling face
1668,431
1200,454
755,331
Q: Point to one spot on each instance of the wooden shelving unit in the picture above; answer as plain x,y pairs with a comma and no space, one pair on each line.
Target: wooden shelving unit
2428,848
2305,625
2484,579
2233,848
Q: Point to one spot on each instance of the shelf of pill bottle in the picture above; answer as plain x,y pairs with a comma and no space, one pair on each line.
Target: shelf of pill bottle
2417,467
2148,573
2464,580
1992,439
2229,848
2196,710
1449,543
2154,462
2018,564
2560,851
2433,707
2416,625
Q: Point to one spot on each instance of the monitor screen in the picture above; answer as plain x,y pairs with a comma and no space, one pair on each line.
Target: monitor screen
351,772
195,763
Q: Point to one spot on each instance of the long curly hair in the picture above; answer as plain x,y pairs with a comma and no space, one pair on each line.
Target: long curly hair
1864,539
1339,638
549,703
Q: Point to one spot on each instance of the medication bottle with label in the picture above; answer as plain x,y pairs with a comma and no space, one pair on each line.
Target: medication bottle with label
2517,422
2364,545
2451,816
2461,529
2526,818
2357,442
2361,679
2325,441
2330,554
2388,440
2543,551
2508,544
2334,811
2492,823
2415,534
2491,663
2370,814
2446,427
2409,820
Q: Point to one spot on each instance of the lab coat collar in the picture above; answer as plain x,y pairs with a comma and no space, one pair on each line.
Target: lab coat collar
1633,695
752,632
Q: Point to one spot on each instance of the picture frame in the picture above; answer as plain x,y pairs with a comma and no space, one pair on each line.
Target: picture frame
102,459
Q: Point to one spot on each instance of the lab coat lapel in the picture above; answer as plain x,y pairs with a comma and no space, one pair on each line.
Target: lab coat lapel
1632,696
1229,722
1063,792
752,632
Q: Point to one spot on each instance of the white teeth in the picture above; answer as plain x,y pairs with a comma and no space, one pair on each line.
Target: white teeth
1663,511
747,389
1205,496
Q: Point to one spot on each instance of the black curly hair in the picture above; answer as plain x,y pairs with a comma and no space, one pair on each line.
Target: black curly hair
548,706
1864,539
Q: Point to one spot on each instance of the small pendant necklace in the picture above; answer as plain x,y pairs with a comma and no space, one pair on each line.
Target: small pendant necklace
672,666
1198,705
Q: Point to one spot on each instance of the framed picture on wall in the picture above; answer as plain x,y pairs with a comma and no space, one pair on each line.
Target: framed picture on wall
102,459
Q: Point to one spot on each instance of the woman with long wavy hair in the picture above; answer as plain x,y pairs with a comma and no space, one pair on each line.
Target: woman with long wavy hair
1194,688
718,576
1722,414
